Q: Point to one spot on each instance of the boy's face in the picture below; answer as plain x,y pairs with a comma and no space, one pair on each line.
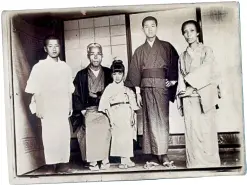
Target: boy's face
150,28
52,48
117,77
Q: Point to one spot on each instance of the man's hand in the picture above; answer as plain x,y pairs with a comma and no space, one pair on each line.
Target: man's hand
170,83
39,115
83,112
133,119
139,99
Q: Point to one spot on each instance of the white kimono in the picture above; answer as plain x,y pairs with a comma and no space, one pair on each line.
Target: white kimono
52,85
120,102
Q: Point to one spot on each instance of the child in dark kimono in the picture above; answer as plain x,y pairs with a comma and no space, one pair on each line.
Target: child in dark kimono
119,103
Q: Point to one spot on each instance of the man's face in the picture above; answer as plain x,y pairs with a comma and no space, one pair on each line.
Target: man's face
52,48
150,28
95,56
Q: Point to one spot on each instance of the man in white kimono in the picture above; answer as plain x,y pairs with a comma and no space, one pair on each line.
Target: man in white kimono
51,84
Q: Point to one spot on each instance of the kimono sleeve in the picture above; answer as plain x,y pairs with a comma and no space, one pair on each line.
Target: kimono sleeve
70,79
77,96
173,73
104,103
33,84
203,75
133,78
181,85
132,99
77,118
210,58
173,67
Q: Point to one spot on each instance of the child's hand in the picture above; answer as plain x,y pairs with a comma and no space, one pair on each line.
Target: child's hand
39,115
112,123
70,113
133,123
133,119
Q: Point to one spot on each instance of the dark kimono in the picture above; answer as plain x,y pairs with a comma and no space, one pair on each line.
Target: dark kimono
149,68
94,128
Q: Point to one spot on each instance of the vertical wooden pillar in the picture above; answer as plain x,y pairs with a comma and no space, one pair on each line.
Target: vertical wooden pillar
199,20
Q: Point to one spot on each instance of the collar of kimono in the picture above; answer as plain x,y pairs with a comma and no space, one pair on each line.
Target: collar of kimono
117,88
118,84
191,50
48,58
89,68
151,42
156,40
96,73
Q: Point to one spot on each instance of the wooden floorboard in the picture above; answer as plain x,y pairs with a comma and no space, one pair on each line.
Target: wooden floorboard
230,161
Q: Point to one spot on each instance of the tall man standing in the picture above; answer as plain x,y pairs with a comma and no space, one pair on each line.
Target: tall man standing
153,72
94,132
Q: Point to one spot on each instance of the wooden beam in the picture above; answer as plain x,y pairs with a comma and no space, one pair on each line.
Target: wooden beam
128,37
199,20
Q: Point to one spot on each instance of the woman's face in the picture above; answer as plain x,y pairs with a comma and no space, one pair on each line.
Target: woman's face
190,33
117,77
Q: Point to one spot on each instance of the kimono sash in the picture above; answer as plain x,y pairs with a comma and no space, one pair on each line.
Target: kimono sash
154,73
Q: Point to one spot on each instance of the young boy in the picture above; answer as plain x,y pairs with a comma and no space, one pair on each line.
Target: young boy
119,103
51,84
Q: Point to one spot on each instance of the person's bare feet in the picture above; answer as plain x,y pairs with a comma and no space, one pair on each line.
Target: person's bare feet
62,168
164,158
167,163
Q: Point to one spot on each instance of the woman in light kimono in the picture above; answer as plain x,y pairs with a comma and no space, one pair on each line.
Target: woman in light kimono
197,98
119,103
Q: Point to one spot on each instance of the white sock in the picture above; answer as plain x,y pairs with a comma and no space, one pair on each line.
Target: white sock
125,160
93,163
105,161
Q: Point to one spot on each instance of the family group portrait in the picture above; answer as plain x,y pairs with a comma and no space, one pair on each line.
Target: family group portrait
111,93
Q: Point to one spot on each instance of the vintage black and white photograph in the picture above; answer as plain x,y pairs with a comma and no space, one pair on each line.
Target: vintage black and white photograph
123,92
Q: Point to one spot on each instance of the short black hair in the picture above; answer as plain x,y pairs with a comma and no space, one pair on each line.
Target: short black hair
50,37
117,66
149,18
198,28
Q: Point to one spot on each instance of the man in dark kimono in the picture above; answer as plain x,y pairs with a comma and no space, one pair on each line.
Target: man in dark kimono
94,128
154,70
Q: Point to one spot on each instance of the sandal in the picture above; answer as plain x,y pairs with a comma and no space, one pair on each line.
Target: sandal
128,165
105,166
150,165
123,166
94,167
169,165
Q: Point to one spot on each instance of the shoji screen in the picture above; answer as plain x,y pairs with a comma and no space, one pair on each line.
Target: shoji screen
220,32
109,31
